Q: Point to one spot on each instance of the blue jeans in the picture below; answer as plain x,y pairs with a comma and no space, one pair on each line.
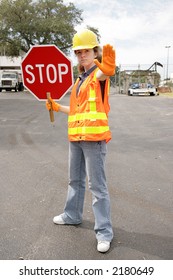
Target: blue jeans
88,158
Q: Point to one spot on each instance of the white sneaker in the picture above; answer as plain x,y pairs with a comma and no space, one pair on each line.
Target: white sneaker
103,246
58,220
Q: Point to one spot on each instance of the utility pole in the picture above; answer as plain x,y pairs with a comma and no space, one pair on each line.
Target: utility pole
167,47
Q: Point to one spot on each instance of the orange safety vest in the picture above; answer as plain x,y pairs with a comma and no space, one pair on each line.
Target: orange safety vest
88,117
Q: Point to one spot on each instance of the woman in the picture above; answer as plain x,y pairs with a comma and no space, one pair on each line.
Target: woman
88,133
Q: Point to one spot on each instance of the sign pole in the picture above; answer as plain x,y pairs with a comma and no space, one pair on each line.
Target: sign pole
51,110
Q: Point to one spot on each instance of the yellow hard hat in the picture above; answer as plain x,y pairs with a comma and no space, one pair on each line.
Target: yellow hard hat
85,39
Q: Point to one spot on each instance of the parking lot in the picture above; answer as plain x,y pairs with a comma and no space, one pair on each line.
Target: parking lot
34,179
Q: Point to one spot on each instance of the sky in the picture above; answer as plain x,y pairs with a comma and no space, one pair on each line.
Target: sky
139,30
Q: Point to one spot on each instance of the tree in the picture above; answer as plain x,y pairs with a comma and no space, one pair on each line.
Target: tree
114,79
24,23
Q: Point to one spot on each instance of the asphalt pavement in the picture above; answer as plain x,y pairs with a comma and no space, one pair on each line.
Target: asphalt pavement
34,180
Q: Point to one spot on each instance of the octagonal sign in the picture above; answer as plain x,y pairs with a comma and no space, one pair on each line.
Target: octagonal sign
45,68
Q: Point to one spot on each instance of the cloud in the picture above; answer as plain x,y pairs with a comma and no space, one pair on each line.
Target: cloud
139,30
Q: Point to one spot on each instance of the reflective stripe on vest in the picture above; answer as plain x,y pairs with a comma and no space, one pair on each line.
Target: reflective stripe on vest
87,116
92,100
88,129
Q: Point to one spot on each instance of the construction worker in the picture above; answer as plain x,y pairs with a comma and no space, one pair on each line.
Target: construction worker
88,133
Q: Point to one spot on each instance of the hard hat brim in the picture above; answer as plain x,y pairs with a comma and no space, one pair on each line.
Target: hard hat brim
84,47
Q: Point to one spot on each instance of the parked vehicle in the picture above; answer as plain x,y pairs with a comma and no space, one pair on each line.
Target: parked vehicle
142,89
11,80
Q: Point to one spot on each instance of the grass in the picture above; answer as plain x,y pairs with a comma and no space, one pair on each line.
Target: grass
167,94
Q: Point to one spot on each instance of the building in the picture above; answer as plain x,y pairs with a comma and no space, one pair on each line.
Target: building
171,77
10,63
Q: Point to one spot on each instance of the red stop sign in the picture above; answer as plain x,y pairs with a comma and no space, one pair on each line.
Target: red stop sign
46,69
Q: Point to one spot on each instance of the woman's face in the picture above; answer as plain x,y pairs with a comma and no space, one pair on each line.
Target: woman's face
86,58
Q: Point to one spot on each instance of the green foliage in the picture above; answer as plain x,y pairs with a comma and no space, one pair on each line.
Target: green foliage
24,23
114,79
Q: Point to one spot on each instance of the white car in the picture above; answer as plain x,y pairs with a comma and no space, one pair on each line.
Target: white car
142,89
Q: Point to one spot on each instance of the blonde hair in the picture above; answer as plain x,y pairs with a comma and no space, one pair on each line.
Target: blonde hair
98,52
